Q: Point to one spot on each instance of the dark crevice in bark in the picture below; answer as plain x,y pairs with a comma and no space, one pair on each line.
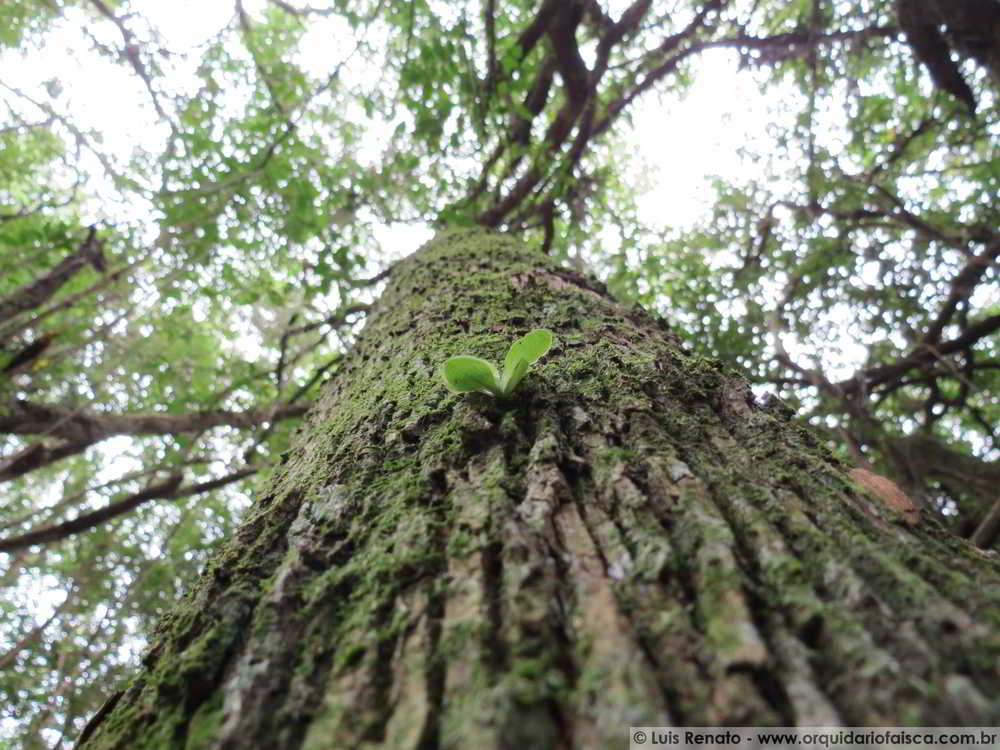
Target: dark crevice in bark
380,672
494,649
435,672
671,692
563,658
811,632
563,726
764,677
770,687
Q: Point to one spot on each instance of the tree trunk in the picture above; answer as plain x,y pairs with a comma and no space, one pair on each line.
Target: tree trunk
630,540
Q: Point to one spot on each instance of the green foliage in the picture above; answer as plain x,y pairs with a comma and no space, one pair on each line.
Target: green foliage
465,374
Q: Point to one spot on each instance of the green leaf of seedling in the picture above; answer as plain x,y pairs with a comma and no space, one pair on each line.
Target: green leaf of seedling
532,346
523,353
512,375
464,374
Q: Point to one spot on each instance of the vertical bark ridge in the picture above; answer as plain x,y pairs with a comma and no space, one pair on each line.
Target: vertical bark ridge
630,540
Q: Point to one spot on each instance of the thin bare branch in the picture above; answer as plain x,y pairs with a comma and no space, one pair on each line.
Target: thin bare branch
130,52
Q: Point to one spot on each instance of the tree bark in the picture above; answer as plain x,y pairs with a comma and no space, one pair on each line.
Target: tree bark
632,540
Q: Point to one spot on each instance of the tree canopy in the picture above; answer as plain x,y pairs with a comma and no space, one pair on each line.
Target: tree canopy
179,277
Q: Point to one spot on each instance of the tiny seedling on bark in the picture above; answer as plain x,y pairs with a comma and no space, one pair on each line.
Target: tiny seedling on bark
464,374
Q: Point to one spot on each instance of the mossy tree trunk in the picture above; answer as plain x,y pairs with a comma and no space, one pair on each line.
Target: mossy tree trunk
631,540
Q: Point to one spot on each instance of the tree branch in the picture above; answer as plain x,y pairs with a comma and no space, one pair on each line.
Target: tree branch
41,290
131,53
922,355
28,418
168,489
88,521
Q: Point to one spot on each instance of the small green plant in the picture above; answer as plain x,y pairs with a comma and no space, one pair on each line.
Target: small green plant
464,374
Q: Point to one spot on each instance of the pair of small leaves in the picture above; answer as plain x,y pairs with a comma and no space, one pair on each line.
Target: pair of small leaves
464,374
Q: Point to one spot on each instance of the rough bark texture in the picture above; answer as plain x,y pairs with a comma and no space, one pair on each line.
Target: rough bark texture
632,540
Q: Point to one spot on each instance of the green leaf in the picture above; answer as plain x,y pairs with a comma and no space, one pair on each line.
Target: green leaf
513,375
523,353
463,374
530,347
